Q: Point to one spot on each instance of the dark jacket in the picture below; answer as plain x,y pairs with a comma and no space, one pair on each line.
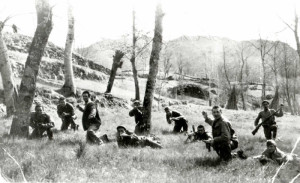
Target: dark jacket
176,114
221,130
68,108
264,114
86,122
40,119
138,114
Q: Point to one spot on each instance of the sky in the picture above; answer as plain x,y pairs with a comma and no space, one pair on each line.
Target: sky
98,19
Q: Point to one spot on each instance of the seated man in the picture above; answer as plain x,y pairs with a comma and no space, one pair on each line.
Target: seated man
40,122
179,120
137,112
200,135
66,112
274,154
128,139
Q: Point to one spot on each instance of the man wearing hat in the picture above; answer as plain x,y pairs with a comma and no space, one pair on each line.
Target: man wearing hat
137,112
40,122
179,120
269,125
66,112
126,139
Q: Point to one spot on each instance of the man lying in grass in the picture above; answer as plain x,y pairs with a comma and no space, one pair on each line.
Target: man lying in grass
200,135
274,154
129,139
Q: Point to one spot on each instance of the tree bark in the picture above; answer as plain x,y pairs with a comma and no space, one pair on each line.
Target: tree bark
10,92
232,101
69,87
132,60
287,91
28,84
154,58
275,102
117,63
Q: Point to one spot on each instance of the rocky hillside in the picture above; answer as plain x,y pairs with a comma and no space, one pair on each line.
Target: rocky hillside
52,62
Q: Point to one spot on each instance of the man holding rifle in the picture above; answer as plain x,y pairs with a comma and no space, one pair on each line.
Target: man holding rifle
268,120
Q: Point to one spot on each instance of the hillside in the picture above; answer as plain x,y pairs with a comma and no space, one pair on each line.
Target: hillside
69,159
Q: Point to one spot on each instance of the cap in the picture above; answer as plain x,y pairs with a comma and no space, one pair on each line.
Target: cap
120,127
137,102
61,98
265,101
271,142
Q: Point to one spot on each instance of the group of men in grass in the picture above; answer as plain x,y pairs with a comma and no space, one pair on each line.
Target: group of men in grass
223,140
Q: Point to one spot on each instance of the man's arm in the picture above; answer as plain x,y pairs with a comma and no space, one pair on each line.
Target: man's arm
131,112
168,118
207,119
279,113
49,123
80,108
257,120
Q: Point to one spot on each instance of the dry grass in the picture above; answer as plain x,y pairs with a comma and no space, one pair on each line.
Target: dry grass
69,159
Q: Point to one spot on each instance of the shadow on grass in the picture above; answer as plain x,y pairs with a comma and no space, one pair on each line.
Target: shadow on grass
206,161
167,132
192,163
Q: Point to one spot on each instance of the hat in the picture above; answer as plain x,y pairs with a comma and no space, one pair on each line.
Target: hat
271,142
120,127
137,102
61,99
167,108
265,101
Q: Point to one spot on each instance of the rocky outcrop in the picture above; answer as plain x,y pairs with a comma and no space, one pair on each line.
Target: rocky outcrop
189,89
21,43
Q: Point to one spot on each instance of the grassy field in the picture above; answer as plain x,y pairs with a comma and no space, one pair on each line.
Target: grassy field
69,159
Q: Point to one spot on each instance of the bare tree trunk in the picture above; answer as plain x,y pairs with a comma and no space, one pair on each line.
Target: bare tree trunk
275,102
287,91
132,60
19,125
225,71
154,58
232,101
117,63
10,92
295,104
69,87
296,34
241,81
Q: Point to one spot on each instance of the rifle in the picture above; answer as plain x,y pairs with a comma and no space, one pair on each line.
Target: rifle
260,124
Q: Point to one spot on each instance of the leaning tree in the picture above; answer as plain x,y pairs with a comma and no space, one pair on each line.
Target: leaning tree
19,125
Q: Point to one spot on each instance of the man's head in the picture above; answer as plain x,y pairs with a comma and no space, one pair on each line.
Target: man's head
216,112
265,104
121,129
62,101
167,110
271,146
136,103
39,109
86,96
200,129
